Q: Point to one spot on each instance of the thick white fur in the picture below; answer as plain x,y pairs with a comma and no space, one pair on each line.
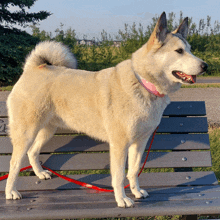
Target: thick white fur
53,52
110,105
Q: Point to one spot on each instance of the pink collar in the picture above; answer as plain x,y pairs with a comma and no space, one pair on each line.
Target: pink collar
150,87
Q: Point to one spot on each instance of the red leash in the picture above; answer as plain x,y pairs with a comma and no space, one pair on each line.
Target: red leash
86,184
23,169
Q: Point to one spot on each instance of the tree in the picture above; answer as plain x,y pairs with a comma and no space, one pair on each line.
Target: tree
14,43
41,35
19,17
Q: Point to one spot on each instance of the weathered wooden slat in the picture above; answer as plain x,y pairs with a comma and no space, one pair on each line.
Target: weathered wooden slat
94,161
183,125
83,192
195,108
81,199
104,209
185,109
167,125
3,109
77,199
3,126
84,143
180,142
65,204
104,180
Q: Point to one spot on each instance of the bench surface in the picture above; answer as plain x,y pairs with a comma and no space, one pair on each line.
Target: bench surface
181,144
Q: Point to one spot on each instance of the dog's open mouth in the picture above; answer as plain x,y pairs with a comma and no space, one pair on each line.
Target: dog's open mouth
184,77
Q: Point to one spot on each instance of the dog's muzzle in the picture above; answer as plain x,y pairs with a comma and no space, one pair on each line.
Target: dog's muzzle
189,78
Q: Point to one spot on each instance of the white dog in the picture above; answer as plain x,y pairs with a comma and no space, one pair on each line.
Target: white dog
121,105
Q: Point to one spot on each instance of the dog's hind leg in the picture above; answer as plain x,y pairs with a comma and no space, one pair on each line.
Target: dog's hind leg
22,138
135,153
43,136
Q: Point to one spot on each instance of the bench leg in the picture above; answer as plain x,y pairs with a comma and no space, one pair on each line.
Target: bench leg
189,217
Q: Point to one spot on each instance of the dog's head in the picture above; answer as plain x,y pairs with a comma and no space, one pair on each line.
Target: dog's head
166,59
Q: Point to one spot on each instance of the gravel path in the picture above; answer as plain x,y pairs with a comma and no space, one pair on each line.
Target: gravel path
3,96
208,80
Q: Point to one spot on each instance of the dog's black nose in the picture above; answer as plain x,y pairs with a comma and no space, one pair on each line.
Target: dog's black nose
204,66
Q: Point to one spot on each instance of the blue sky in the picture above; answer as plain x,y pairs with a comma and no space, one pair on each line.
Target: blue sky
90,17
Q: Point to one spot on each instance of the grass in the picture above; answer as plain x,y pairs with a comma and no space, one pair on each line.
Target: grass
175,217
214,137
7,88
202,85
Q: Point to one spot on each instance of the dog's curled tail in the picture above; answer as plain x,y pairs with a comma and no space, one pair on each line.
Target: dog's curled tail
52,53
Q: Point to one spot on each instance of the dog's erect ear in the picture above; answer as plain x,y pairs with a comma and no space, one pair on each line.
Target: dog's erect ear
183,28
159,34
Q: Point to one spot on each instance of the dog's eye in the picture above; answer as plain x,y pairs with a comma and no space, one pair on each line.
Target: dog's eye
180,51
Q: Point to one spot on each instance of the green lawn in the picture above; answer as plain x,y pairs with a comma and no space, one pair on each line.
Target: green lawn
202,85
7,88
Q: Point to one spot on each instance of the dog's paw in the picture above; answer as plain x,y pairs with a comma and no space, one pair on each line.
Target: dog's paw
13,194
125,202
44,175
140,194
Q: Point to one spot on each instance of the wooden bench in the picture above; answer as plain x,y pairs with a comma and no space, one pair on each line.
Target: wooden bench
181,144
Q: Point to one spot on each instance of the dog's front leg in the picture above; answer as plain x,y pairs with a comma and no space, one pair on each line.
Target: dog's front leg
118,157
135,153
